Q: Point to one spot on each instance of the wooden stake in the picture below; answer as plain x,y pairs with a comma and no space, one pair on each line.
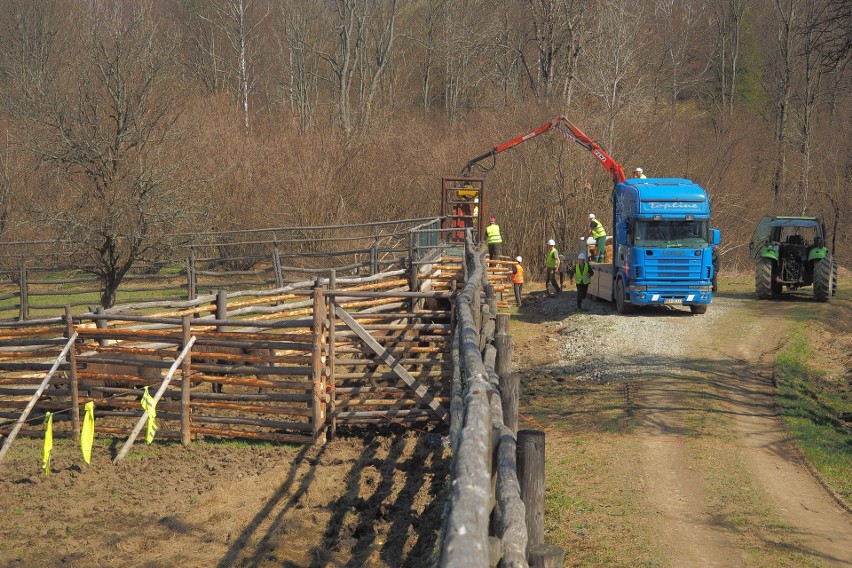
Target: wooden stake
72,375
185,385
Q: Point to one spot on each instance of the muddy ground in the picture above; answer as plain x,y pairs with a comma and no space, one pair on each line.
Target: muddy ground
358,501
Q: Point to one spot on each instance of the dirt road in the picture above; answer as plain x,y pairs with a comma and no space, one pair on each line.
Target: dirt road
664,443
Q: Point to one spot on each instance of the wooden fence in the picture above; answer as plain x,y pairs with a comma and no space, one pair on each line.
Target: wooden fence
291,364
36,282
496,506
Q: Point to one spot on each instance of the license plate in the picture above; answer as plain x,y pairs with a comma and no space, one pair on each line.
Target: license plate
672,301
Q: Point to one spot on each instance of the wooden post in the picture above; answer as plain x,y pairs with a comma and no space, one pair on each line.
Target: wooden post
510,386
491,299
318,397
72,377
101,324
329,365
374,258
276,266
546,556
24,292
191,283
186,384
531,478
221,307
503,343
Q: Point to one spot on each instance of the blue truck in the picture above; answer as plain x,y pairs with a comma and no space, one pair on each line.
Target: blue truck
662,246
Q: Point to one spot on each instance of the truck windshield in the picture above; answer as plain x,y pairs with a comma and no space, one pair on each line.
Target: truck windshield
669,234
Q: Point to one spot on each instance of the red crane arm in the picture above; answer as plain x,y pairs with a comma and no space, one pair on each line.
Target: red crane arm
505,146
564,127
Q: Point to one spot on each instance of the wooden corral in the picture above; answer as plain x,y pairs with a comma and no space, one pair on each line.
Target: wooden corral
293,363
418,345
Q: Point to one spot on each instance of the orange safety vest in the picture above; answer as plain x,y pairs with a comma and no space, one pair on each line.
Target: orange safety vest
518,275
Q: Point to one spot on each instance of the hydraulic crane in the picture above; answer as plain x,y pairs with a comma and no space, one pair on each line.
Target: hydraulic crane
564,127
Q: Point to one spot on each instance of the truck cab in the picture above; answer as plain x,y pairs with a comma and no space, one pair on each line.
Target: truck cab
662,246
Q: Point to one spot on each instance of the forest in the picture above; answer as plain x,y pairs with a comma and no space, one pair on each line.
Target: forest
127,123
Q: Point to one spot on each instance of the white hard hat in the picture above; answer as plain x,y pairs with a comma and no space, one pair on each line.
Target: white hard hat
638,170
519,259
551,242
581,256
476,200
591,215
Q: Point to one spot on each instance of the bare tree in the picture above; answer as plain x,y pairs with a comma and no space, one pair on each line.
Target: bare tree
780,88
239,20
5,187
613,61
831,24
366,32
680,31
203,55
556,32
301,65
105,134
433,11
729,17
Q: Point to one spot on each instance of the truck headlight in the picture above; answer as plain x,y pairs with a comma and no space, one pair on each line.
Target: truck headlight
635,288
705,288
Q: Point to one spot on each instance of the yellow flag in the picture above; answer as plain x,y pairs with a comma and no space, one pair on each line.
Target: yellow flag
149,405
48,442
87,435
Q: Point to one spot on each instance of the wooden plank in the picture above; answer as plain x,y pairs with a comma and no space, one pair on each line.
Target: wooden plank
419,390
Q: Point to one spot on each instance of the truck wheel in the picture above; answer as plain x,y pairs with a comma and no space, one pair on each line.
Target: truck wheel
763,279
824,279
698,308
621,303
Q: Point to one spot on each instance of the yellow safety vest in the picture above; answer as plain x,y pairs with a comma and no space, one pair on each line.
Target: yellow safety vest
581,276
598,231
492,234
552,259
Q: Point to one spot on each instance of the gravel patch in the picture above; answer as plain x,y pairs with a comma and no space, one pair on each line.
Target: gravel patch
599,345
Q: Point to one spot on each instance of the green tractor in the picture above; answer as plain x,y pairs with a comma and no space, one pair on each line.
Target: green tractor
791,252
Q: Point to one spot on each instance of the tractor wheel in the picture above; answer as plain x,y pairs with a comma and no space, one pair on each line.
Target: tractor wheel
621,303
834,281
763,285
698,308
824,279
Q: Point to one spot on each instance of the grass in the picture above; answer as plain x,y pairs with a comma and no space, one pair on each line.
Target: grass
817,411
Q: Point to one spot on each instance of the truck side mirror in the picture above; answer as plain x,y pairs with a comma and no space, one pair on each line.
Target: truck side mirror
715,237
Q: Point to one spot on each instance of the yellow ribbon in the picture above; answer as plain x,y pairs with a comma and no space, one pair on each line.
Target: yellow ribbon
149,405
87,435
48,442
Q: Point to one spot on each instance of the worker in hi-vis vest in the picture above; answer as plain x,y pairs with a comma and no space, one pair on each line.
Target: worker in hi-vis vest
597,232
551,265
582,272
493,238
518,278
